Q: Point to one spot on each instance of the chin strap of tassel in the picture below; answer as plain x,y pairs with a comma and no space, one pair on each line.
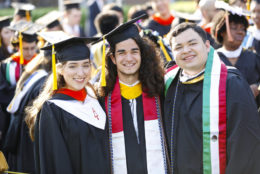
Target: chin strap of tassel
164,50
103,72
28,16
54,68
21,48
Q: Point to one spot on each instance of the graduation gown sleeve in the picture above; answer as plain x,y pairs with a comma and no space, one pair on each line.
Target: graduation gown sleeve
52,147
243,128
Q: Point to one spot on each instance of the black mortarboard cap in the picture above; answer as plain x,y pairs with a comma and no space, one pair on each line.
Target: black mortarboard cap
50,20
70,4
27,29
5,21
23,9
123,32
71,49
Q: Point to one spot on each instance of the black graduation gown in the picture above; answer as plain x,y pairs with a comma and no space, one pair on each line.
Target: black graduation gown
64,144
2,126
243,127
155,26
17,142
135,153
248,64
256,46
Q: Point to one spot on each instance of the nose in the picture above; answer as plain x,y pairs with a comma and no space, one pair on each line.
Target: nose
80,71
186,49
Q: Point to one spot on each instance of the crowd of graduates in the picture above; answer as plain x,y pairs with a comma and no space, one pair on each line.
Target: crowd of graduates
129,97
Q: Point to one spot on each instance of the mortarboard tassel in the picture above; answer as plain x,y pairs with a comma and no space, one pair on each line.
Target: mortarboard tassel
103,75
0,42
230,38
164,50
248,8
54,68
21,48
28,17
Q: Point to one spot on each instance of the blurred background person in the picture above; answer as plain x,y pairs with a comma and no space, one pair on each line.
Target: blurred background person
23,11
72,17
6,34
162,19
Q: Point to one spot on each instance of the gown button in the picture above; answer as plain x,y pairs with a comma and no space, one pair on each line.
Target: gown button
214,138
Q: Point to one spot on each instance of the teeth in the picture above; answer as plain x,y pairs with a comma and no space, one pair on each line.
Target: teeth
129,65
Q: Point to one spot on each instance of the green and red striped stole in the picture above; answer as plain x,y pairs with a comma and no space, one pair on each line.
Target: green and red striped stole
213,112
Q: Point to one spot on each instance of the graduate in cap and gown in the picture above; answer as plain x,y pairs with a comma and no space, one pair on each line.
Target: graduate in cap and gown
5,38
210,115
18,143
70,133
23,12
131,88
12,67
72,17
230,28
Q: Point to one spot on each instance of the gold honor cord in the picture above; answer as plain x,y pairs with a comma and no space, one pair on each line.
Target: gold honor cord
28,17
54,68
14,172
21,47
103,71
164,50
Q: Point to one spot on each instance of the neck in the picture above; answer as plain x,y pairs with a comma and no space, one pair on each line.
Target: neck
128,80
193,73
230,47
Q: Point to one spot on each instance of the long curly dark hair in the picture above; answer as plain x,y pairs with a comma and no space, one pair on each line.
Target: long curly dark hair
151,73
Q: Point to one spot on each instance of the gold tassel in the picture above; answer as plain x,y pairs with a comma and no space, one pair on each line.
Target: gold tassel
248,8
54,69
28,17
0,42
164,50
230,38
103,72
21,48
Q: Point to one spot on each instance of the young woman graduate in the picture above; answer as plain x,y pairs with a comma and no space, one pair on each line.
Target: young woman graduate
70,130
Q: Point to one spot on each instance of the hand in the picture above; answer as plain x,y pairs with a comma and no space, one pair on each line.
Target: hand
254,89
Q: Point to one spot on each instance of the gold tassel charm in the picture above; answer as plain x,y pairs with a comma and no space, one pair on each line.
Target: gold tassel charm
103,71
164,50
54,68
21,48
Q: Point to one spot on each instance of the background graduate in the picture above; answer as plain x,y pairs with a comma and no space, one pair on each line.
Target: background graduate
231,36
70,135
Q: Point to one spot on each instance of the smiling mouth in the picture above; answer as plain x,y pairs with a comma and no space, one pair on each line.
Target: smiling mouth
188,58
129,65
80,80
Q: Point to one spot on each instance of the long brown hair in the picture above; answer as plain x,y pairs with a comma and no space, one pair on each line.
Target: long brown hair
151,73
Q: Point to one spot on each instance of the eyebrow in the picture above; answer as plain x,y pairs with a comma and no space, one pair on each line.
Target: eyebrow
192,40
122,50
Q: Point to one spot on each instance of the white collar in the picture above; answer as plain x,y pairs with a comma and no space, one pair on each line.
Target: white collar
135,83
184,77
231,54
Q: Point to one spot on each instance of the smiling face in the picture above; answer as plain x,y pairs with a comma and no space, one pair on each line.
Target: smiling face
76,74
190,52
127,60
161,6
